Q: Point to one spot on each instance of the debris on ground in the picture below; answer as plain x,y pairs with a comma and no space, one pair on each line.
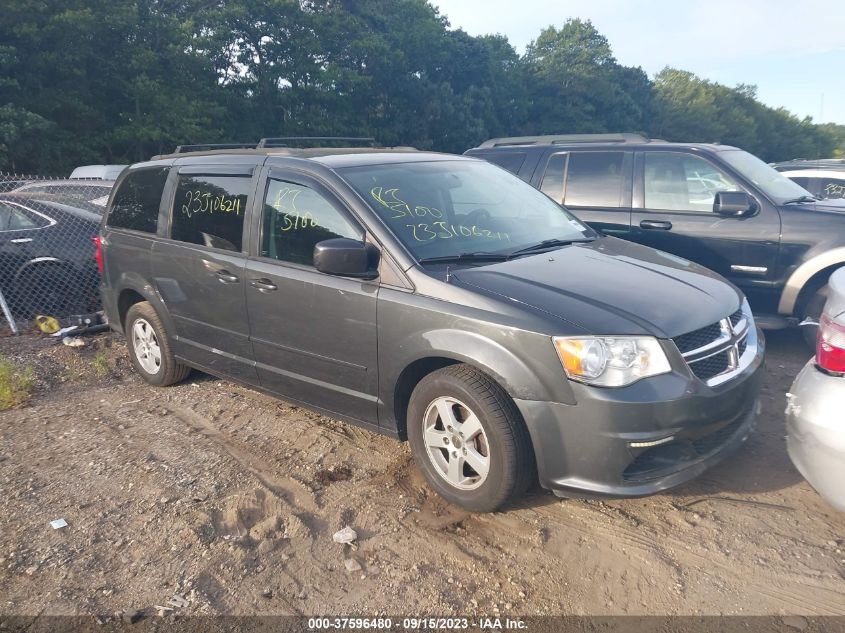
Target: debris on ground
58,524
352,565
47,324
73,341
345,536
178,601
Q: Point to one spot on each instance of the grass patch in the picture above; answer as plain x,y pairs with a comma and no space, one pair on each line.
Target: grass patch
100,365
15,385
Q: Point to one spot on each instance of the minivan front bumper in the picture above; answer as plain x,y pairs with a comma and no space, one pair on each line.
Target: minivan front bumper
644,438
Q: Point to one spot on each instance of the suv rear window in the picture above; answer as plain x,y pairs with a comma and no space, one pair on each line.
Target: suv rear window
209,210
512,161
137,201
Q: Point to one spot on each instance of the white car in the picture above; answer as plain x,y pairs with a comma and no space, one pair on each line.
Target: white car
824,183
814,411
102,172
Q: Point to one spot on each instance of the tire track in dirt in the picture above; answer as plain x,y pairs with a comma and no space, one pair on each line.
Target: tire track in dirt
800,596
291,492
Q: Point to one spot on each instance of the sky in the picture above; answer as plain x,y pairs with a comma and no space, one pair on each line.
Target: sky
792,50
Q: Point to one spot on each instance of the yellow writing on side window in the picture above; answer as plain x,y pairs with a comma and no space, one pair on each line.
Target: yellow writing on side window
292,218
205,202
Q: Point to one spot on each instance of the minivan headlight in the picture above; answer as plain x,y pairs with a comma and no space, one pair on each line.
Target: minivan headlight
611,361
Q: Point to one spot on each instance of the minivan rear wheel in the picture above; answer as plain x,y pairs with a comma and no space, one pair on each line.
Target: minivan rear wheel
468,439
149,347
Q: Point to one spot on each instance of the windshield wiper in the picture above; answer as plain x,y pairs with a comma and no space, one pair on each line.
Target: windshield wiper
802,199
466,257
547,244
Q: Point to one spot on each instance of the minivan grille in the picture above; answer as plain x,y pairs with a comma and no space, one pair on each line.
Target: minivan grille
736,317
698,338
715,350
712,365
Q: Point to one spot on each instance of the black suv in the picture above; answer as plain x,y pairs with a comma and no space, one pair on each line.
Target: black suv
437,299
713,204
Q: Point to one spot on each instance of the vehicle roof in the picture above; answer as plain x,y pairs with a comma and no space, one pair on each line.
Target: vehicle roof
332,157
76,182
35,205
815,173
810,163
655,145
601,141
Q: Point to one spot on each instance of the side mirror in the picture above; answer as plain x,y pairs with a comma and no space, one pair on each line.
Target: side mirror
346,258
735,204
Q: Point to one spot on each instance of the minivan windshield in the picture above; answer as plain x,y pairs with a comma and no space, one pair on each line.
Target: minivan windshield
772,183
462,208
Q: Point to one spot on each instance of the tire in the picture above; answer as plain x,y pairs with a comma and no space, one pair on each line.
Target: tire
813,310
149,347
464,395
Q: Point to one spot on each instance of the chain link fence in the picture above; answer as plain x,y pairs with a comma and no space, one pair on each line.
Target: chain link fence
47,250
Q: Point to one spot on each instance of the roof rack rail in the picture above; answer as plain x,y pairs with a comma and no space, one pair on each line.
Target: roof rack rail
560,139
203,147
293,142
314,141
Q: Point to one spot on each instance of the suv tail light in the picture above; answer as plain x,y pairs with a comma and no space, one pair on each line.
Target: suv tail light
830,346
98,253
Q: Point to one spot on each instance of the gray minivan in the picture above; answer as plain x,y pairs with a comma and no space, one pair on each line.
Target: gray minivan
438,299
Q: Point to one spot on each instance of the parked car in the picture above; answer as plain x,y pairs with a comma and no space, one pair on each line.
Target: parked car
47,261
438,299
827,184
103,172
805,163
815,433
713,204
92,195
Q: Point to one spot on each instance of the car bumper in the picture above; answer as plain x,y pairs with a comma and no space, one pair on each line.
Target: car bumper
815,433
644,438
109,301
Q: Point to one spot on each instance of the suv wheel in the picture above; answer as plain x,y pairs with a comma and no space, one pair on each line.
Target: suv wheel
468,438
149,347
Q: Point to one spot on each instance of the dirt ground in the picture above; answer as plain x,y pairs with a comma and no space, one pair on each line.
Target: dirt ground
228,500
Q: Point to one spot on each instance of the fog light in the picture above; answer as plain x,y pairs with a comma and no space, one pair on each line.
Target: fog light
662,440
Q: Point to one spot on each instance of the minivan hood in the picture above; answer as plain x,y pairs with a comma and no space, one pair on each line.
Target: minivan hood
610,286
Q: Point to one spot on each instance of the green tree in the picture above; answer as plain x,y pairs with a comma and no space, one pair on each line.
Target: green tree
576,85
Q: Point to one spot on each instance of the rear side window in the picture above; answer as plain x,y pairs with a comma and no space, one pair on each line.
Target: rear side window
512,161
801,180
552,184
594,179
137,201
19,221
832,188
209,210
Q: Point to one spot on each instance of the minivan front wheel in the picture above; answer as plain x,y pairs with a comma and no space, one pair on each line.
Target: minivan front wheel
468,439
149,347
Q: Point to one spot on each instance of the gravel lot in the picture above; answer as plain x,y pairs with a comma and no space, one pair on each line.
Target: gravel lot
227,500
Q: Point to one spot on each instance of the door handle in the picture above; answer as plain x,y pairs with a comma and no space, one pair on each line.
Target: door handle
263,285
659,225
225,277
